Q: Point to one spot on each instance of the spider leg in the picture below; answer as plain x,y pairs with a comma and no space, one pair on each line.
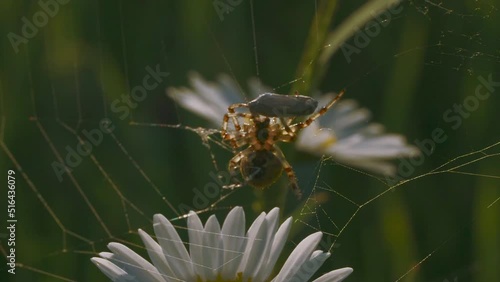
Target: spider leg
225,122
292,178
233,166
296,127
285,125
230,111
239,134
290,135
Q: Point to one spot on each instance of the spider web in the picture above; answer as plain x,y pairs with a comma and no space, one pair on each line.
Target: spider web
118,187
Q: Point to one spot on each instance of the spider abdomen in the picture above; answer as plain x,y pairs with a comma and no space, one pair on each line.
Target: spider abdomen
260,168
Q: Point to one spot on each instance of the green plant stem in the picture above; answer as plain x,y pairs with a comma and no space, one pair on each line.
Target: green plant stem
315,41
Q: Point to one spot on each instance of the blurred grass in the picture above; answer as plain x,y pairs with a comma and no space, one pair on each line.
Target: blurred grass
397,225
101,48
315,42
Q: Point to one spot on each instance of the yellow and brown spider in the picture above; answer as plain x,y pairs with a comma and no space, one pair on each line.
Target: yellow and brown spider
269,121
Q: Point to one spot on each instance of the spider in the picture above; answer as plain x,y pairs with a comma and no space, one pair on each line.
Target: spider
268,121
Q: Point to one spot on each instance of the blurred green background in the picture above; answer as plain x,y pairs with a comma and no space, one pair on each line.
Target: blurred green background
426,59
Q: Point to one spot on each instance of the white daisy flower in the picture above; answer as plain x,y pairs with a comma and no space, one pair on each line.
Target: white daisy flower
218,254
345,132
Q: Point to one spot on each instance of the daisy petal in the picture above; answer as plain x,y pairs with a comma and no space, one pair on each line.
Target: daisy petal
253,232
157,257
212,248
277,247
135,265
300,254
210,93
173,248
234,242
112,271
310,267
195,233
258,242
337,275
189,100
